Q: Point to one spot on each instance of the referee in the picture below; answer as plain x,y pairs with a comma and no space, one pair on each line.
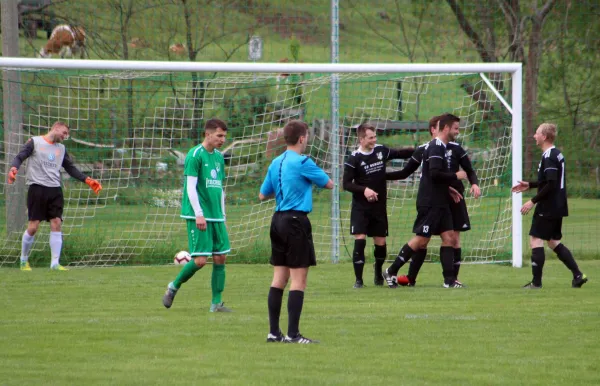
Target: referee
289,179
45,200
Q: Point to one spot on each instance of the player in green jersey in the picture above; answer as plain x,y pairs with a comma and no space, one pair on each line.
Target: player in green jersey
203,208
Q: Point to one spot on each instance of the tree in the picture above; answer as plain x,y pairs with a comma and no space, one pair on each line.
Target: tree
410,27
516,46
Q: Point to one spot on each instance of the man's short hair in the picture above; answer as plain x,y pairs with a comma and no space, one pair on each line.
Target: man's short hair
433,123
361,130
214,124
294,130
60,123
447,120
549,130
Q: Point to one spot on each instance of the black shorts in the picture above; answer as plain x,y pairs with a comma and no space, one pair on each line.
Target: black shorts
460,216
291,240
546,228
44,203
372,222
432,221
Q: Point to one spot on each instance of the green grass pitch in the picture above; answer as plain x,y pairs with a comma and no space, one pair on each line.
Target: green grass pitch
108,326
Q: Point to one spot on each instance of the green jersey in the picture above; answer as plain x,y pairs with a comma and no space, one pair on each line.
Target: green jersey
210,170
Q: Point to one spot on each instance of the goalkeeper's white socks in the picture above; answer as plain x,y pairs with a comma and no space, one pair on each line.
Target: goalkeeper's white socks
55,247
26,245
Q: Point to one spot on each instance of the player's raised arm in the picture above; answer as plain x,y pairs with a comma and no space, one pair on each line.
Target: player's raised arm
400,153
406,172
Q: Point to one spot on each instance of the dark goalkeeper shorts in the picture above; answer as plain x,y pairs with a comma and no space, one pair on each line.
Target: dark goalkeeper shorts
44,203
432,221
546,228
291,240
372,222
460,216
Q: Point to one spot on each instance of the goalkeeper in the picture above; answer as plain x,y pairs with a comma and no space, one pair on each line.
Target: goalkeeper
45,200
203,208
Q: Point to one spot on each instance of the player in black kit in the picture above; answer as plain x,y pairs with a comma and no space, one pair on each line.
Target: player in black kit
433,211
364,176
457,157
551,201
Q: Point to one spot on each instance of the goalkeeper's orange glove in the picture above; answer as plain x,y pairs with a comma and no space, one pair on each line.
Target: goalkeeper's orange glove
95,185
12,175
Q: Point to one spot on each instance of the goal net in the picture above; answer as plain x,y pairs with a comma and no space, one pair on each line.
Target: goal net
131,130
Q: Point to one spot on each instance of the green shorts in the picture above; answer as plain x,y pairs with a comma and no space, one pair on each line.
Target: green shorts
213,241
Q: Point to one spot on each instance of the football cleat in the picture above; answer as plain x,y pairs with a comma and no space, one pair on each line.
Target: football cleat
456,284
579,281
169,296
25,266
275,338
359,284
219,307
299,339
531,285
58,267
391,281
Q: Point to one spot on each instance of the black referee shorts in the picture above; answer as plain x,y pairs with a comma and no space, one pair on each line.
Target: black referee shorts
546,228
460,216
372,221
44,203
432,221
291,240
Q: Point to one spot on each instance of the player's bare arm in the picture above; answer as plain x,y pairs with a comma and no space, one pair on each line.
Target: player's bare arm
521,187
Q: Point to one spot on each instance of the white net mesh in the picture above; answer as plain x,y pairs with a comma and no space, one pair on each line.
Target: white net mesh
131,131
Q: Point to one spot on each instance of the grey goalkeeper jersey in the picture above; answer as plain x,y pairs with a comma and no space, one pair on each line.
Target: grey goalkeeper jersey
45,161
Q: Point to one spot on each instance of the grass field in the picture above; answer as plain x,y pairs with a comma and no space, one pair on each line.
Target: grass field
138,234
108,326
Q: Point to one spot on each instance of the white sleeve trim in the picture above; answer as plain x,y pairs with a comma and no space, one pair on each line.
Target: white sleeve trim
193,195
223,202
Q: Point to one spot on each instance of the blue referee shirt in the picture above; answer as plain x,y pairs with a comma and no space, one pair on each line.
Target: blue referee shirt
290,178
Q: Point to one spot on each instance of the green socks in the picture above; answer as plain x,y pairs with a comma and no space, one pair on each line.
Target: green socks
217,279
186,273
217,282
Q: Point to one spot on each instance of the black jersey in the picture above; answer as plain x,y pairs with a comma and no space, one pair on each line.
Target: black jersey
551,171
458,158
367,170
435,177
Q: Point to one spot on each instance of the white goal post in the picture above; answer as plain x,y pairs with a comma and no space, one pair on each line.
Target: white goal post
513,106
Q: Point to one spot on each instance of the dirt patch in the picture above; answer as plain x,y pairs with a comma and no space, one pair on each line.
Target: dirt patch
302,25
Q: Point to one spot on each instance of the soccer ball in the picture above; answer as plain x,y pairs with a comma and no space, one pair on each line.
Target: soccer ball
182,257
